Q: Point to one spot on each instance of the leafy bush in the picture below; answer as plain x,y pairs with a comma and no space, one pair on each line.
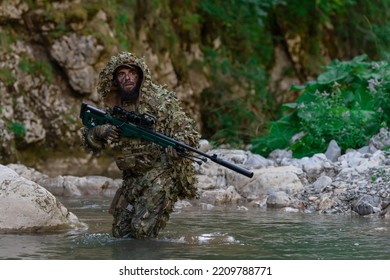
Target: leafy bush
348,103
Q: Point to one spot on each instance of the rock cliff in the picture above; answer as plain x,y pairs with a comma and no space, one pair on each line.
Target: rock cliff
50,57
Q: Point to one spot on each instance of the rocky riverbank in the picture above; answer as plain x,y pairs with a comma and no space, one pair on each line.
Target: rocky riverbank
356,182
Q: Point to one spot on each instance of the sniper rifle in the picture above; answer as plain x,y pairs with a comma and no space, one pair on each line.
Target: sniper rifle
136,125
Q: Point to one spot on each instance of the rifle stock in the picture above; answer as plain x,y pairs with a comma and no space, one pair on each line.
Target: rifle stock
92,117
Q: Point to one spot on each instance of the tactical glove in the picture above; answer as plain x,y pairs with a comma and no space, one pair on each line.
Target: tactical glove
106,132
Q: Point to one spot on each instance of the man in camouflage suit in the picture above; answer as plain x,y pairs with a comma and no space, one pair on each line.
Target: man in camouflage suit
154,178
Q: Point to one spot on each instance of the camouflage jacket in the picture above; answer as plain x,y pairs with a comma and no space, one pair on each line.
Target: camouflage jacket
134,156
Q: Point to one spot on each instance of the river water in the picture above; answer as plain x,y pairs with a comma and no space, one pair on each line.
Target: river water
193,233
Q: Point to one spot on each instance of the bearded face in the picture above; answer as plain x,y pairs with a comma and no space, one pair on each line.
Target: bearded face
128,80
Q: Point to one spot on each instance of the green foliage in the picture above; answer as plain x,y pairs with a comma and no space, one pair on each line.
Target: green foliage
123,15
312,12
241,25
7,38
6,76
120,24
17,128
347,103
127,15
310,22
37,67
228,115
237,69
364,28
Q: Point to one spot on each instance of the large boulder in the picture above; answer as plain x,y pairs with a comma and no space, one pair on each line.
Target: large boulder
69,185
25,206
268,180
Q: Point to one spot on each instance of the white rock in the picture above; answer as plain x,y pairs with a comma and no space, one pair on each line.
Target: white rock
26,206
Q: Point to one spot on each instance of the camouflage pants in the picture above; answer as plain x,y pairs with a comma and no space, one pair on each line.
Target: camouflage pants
147,202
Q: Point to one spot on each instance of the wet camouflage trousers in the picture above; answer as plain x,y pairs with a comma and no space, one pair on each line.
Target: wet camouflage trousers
144,205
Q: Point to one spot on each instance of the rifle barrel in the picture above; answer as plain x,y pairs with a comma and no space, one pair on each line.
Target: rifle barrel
213,158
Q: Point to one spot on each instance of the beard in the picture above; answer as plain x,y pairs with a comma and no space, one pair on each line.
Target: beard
129,95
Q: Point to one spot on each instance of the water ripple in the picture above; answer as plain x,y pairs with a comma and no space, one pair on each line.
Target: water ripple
215,238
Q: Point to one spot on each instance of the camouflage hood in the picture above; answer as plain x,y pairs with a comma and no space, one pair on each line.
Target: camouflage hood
108,91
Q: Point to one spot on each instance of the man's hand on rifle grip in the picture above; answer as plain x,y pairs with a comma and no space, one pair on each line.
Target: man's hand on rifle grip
107,132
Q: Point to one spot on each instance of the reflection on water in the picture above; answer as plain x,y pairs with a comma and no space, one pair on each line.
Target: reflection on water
209,234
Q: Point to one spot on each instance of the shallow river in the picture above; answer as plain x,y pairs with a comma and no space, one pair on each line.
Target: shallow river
210,234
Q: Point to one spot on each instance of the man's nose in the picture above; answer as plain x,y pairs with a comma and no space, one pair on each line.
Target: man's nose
129,76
